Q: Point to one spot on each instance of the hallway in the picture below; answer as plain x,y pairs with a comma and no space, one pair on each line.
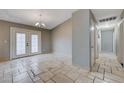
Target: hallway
108,41
107,69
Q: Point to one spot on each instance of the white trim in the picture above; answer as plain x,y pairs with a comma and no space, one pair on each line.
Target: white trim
11,48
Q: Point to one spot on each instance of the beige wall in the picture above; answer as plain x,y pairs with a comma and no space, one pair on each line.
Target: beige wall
46,41
5,38
62,39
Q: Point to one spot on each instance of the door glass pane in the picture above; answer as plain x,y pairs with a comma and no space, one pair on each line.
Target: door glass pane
34,43
20,43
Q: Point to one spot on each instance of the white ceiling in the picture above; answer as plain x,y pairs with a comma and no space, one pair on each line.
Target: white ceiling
106,13
51,17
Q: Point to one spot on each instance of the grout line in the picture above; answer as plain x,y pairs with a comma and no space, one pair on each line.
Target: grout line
68,77
50,78
32,72
30,76
111,69
53,80
98,68
12,78
104,74
94,79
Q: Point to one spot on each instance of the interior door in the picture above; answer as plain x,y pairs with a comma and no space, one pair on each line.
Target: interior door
107,41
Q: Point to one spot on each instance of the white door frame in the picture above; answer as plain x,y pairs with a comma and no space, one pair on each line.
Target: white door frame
13,31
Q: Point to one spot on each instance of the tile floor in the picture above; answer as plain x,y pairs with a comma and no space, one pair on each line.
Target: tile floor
50,69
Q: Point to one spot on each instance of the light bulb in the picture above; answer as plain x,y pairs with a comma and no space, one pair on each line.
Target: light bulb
36,24
43,25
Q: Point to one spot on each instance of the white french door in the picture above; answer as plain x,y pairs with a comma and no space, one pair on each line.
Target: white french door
24,42
35,42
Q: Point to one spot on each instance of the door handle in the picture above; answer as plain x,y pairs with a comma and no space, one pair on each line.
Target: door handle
92,46
27,44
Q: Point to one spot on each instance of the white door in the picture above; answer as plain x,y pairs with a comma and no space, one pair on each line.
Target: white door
35,42
24,42
107,41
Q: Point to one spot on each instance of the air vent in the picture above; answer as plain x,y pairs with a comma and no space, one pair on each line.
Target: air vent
108,19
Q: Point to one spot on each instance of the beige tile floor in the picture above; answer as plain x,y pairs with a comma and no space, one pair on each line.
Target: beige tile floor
50,69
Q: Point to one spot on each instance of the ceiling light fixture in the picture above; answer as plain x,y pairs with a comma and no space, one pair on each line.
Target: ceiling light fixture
40,24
